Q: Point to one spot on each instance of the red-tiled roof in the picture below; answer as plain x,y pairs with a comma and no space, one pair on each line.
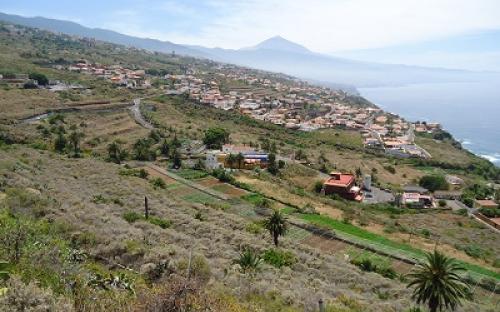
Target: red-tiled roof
340,179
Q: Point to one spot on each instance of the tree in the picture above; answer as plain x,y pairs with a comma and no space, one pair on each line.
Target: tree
216,137
74,138
239,160
438,282
116,153
359,173
142,150
40,78
175,143
231,160
60,142
276,225
176,160
272,167
165,148
434,182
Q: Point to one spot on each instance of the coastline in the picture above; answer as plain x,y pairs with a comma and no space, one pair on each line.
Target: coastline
465,110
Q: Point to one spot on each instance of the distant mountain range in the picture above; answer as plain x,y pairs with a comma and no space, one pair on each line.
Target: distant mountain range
275,54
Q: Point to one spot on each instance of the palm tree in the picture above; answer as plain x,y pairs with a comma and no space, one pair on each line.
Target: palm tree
239,160
276,225
115,152
231,160
437,282
74,138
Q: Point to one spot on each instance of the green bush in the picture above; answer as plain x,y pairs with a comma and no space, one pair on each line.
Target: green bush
223,176
158,183
278,258
159,222
131,216
390,169
434,182
318,186
474,251
490,212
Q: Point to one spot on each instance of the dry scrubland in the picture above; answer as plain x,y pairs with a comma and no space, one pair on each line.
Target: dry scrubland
73,184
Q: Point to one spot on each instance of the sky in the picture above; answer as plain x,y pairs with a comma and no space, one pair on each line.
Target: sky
421,32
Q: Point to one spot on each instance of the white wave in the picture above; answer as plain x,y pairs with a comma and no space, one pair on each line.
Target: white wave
493,158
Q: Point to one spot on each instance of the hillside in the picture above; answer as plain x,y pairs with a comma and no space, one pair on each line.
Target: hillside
274,54
72,218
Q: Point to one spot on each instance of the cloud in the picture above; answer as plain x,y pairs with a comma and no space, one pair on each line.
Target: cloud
327,25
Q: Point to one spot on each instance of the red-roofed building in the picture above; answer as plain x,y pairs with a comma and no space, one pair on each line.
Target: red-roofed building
342,184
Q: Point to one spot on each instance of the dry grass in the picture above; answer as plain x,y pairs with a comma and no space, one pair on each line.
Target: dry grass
74,183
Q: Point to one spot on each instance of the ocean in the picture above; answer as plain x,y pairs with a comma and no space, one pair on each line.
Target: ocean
470,111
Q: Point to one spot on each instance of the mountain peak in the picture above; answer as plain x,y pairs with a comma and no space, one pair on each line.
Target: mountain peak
279,43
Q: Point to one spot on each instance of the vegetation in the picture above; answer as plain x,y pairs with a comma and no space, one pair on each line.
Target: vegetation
434,182
116,153
278,258
83,247
132,217
276,225
216,137
438,283
249,261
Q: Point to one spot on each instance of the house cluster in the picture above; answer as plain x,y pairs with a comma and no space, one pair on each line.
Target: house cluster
297,105
236,157
117,74
393,135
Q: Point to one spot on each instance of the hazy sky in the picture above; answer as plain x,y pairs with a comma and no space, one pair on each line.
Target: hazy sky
325,26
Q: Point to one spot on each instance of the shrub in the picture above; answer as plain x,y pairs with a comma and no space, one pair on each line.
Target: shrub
496,263
373,263
158,183
434,182
318,186
474,251
278,258
223,176
425,232
490,212
390,169
462,212
143,174
131,216
22,297
442,203
254,228
249,261
164,224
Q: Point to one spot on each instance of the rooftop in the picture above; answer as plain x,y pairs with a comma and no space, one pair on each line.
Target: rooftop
340,179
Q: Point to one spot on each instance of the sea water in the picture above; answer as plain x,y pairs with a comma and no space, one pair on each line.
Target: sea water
470,111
